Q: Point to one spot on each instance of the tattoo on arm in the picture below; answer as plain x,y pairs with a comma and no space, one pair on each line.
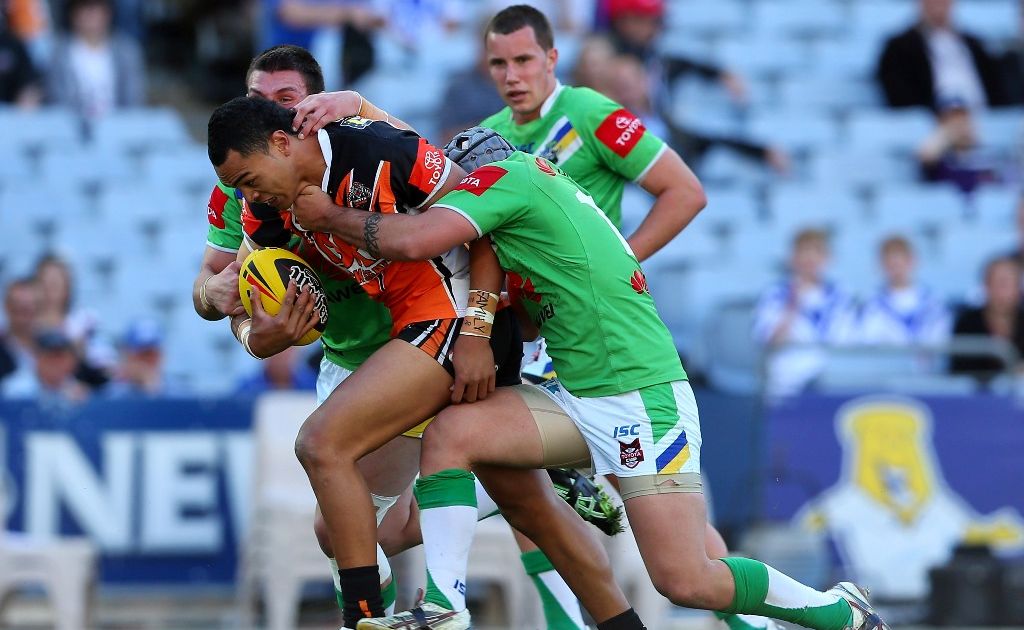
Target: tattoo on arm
370,229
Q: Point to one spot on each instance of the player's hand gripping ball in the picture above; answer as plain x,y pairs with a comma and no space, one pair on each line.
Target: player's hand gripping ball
267,272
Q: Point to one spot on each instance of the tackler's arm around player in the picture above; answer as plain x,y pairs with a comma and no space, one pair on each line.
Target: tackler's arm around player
317,110
215,290
679,196
472,356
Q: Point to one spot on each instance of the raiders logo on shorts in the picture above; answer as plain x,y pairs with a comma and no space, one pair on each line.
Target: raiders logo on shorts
631,454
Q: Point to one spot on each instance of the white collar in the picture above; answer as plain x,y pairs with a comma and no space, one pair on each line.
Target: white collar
325,148
549,102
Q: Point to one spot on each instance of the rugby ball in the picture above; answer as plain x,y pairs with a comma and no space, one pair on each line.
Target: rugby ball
266,272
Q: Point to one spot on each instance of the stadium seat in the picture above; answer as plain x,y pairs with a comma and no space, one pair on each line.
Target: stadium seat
64,567
1001,128
142,129
995,206
730,209
794,207
799,17
33,130
724,167
877,19
763,55
272,556
889,130
815,92
706,16
965,252
917,208
861,168
185,167
795,130
851,57
989,19
87,167
732,363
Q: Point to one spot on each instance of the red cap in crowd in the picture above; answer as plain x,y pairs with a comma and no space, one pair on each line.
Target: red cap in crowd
650,8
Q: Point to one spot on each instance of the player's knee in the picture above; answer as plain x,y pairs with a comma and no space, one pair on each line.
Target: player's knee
448,433
312,445
682,588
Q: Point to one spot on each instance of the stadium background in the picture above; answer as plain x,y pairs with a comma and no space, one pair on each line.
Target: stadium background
779,112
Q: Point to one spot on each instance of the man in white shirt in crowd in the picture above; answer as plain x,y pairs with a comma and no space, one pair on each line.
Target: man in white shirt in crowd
903,311
801,311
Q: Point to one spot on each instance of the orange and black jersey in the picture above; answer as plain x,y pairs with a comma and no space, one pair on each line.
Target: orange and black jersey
375,167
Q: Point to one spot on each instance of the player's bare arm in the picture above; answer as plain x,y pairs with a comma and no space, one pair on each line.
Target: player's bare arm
678,198
215,290
472,356
317,110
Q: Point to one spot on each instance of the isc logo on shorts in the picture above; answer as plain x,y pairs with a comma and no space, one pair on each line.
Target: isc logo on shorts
626,430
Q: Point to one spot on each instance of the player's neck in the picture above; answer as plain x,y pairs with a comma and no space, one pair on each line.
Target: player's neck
310,161
521,118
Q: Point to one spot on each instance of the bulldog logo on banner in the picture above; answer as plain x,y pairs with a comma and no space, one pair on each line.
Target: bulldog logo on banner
891,514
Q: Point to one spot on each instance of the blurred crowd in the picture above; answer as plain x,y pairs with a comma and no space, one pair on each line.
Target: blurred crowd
52,350
88,55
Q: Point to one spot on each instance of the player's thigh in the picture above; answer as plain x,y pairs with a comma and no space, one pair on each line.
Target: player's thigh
515,426
394,390
390,469
669,531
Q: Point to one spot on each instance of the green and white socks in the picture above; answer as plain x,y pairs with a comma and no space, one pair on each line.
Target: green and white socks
447,502
561,608
761,590
388,588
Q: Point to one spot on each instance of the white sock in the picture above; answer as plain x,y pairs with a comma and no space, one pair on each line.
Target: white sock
383,566
485,505
785,592
563,595
447,536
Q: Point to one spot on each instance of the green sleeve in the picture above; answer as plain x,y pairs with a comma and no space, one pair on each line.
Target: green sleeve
224,213
490,197
618,137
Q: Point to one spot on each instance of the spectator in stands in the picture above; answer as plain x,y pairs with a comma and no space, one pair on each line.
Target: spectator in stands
1018,252
53,277
297,21
29,21
635,26
953,153
53,378
802,309
623,78
140,372
95,70
19,82
1000,317
21,306
283,371
903,312
933,61
469,97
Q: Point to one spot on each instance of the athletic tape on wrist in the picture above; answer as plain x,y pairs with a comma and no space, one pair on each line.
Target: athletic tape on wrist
244,329
480,310
202,295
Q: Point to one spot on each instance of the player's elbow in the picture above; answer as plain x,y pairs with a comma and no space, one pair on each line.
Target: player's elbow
695,197
412,246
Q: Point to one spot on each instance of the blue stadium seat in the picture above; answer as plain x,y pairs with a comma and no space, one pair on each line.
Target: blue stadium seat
730,209
917,208
828,91
49,127
141,129
724,167
187,166
19,166
706,16
995,206
1001,128
795,207
795,130
732,362
87,166
888,130
853,56
861,168
989,19
876,19
799,17
761,247
763,55
966,250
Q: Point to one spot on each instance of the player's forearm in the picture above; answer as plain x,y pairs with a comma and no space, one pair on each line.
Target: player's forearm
392,236
203,308
672,211
485,272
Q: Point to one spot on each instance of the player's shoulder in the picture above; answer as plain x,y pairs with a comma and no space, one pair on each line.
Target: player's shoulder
583,100
498,120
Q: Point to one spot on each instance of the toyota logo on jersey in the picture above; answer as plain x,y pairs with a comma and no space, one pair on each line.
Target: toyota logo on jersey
620,131
429,167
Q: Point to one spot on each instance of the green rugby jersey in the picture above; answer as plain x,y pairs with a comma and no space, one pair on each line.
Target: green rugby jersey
596,141
575,275
345,343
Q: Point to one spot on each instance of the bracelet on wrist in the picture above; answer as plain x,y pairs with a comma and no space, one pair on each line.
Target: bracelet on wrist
202,296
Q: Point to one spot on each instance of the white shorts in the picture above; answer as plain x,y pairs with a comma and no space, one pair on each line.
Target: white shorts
331,375
651,431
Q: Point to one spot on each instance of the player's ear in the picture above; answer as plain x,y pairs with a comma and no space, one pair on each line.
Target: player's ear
552,58
281,141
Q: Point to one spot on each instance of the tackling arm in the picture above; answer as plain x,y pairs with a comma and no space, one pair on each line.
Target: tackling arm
215,290
678,198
